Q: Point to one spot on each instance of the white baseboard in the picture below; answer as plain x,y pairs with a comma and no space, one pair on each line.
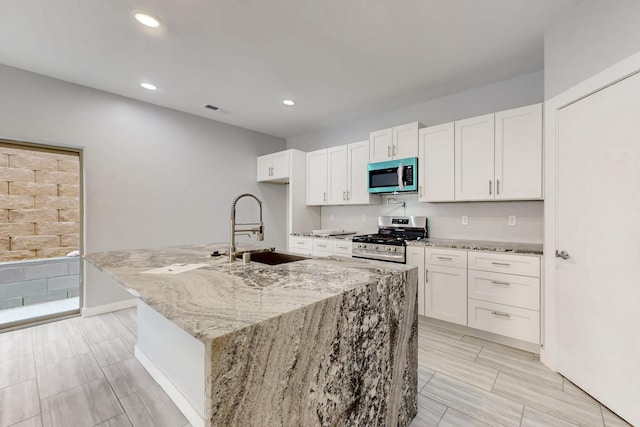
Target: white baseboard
108,308
181,402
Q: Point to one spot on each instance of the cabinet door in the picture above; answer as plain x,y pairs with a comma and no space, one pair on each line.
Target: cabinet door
436,162
317,177
405,141
264,168
474,153
357,176
446,294
518,156
280,165
415,256
380,143
337,178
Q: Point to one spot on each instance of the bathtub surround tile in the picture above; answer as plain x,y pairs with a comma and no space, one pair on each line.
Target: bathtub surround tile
86,405
18,403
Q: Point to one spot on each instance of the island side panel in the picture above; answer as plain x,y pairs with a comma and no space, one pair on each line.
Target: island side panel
348,360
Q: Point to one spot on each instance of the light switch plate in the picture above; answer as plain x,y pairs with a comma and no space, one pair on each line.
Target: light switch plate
465,220
512,220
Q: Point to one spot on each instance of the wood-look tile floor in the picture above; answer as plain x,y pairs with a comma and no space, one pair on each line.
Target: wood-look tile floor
82,372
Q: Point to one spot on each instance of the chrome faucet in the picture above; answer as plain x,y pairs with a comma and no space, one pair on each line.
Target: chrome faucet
257,227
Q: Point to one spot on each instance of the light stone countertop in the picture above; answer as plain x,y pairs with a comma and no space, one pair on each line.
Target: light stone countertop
224,297
481,245
315,236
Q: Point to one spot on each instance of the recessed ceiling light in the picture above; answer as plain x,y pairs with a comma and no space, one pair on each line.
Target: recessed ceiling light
288,102
146,19
148,86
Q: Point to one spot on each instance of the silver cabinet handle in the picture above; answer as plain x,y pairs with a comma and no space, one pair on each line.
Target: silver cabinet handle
496,282
393,150
300,242
504,264
348,196
324,196
426,275
490,187
499,313
445,258
388,151
344,195
497,186
420,190
563,254
321,245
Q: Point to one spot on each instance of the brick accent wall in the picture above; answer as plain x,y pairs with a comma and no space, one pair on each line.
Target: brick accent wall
39,204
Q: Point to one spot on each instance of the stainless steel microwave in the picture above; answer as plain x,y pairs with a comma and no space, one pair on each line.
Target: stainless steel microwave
393,176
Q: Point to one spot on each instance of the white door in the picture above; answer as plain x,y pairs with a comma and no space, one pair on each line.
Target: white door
474,158
317,177
436,164
357,176
405,141
337,178
264,168
519,153
446,293
380,143
597,224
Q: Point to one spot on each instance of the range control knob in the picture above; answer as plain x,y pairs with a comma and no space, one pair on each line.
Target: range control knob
375,247
389,248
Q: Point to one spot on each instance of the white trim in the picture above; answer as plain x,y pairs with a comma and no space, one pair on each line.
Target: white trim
108,308
611,75
181,402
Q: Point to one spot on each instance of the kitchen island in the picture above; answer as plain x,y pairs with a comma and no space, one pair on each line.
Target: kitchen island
316,342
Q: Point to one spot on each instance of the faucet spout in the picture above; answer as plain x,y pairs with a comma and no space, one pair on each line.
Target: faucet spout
257,229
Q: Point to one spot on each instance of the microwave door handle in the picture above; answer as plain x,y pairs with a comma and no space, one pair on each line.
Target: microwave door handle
400,177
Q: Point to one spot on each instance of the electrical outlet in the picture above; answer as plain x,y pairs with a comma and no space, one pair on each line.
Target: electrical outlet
364,218
512,220
331,218
465,220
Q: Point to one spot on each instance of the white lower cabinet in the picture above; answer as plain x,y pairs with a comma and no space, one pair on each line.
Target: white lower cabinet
505,320
322,247
319,246
446,293
488,291
301,245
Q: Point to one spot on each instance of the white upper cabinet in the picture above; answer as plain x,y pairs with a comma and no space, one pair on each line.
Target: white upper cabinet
474,154
337,177
317,177
274,167
518,156
357,174
398,142
436,160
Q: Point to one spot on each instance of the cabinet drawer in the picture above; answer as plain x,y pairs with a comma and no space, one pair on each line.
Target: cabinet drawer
322,247
510,289
505,320
445,257
300,244
342,247
505,263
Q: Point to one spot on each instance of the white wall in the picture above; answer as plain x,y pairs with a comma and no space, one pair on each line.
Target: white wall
488,220
153,176
592,36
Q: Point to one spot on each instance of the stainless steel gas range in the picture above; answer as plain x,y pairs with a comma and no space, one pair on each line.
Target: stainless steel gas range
389,244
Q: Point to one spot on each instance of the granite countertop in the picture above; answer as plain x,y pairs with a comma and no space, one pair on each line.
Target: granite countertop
222,297
316,236
481,245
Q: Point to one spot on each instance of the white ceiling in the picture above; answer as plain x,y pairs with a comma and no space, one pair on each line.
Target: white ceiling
338,59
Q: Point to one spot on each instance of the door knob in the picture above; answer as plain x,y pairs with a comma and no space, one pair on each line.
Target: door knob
562,254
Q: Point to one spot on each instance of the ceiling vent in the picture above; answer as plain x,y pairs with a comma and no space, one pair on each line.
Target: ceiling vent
211,107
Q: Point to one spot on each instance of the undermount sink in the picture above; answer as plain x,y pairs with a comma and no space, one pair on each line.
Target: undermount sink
274,258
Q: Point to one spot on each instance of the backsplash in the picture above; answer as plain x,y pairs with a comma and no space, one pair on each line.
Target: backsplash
487,220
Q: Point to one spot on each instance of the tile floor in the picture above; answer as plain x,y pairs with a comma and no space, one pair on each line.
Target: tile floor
81,372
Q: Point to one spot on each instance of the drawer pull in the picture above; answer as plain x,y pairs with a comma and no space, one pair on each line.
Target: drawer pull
342,247
504,264
299,243
501,314
495,282
447,258
321,245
